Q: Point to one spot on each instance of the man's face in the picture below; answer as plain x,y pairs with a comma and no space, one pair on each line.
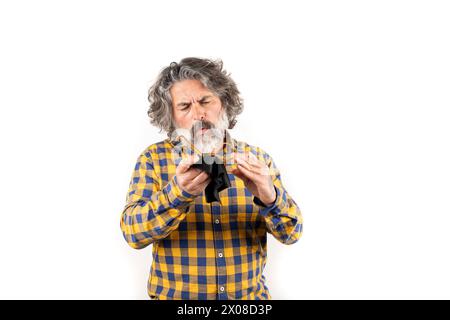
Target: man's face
197,109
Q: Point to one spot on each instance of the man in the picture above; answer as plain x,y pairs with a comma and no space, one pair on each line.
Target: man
205,250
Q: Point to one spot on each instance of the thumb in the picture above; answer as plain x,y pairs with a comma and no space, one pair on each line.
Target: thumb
186,163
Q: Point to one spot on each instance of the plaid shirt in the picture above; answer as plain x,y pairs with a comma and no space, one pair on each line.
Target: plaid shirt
204,251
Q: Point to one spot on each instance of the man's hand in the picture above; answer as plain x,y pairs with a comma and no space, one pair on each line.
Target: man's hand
256,177
189,179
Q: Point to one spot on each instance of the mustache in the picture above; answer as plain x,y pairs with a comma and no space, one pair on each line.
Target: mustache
201,124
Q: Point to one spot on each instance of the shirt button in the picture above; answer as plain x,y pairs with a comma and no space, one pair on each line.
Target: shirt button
222,289
220,254
217,221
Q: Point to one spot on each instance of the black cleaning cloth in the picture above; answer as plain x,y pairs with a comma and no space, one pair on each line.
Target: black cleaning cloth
218,174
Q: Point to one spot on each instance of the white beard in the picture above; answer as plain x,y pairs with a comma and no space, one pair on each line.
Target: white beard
208,142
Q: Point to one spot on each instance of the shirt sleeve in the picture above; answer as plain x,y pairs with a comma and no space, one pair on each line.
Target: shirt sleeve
283,218
152,212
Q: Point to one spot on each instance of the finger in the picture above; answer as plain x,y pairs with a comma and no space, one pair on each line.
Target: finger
190,175
259,165
192,172
247,173
183,167
253,164
202,177
201,186
253,160
186,163
246,165
249,158
239,174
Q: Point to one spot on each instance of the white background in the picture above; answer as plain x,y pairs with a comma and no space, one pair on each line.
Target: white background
350,98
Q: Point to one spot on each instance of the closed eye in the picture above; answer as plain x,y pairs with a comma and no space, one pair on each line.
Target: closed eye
185,106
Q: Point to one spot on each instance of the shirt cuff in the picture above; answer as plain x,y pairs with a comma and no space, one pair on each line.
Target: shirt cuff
176,195
274,207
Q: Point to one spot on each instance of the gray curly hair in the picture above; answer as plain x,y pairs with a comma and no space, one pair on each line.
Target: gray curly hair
209,72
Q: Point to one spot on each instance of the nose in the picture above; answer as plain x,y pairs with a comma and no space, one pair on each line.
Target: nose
199,112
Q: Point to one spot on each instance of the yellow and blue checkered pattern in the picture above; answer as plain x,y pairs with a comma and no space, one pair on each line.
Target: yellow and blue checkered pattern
204,251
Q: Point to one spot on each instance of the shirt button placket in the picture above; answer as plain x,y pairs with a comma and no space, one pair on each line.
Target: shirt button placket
221,267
